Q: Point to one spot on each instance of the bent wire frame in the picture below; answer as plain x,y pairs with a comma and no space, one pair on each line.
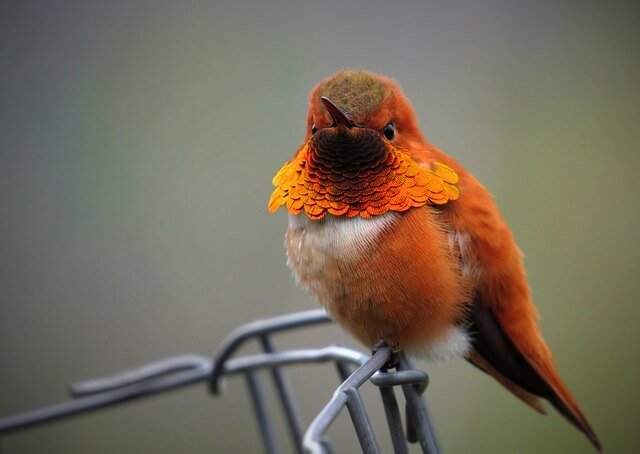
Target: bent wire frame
180,371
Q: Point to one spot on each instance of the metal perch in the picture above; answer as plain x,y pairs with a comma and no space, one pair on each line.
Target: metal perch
180,371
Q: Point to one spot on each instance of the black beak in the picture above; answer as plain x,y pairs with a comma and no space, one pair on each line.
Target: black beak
338,116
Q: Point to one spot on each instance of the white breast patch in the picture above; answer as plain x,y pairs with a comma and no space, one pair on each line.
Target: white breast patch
337,236
319,252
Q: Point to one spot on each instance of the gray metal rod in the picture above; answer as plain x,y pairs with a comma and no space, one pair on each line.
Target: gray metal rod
97,401
394,421
364,429
257,328
402,377
286,398
343,370
417,410
262,414
110,390
140,374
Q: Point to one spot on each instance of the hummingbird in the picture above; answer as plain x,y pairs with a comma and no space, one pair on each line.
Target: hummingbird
400,243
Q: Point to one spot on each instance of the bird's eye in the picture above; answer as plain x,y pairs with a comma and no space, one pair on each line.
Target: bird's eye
389,131
314,129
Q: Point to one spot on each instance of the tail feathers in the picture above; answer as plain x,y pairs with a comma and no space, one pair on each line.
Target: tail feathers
562,399
525,368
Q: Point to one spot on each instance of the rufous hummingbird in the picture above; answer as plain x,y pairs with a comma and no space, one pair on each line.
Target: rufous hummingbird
400,243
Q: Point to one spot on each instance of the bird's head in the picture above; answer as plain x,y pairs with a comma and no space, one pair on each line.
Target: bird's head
356,156
367,104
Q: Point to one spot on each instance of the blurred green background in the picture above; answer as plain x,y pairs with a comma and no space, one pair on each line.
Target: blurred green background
137,145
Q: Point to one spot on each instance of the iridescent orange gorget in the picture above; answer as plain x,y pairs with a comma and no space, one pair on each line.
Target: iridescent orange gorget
345,173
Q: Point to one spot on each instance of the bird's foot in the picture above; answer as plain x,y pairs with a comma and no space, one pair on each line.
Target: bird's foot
394,360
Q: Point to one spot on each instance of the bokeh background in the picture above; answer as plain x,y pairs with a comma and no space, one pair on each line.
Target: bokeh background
137,145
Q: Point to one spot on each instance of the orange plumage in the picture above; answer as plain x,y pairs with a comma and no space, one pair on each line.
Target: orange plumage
399,242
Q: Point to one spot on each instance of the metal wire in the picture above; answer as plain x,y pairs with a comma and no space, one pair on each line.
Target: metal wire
180,371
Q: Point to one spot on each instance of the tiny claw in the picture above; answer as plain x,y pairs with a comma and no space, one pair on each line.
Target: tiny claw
394,360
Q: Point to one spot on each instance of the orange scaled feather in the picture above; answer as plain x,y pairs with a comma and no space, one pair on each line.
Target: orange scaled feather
396,184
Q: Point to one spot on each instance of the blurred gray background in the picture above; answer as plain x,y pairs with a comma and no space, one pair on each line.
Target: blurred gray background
137,145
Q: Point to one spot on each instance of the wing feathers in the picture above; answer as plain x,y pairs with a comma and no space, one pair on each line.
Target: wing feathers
530,399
